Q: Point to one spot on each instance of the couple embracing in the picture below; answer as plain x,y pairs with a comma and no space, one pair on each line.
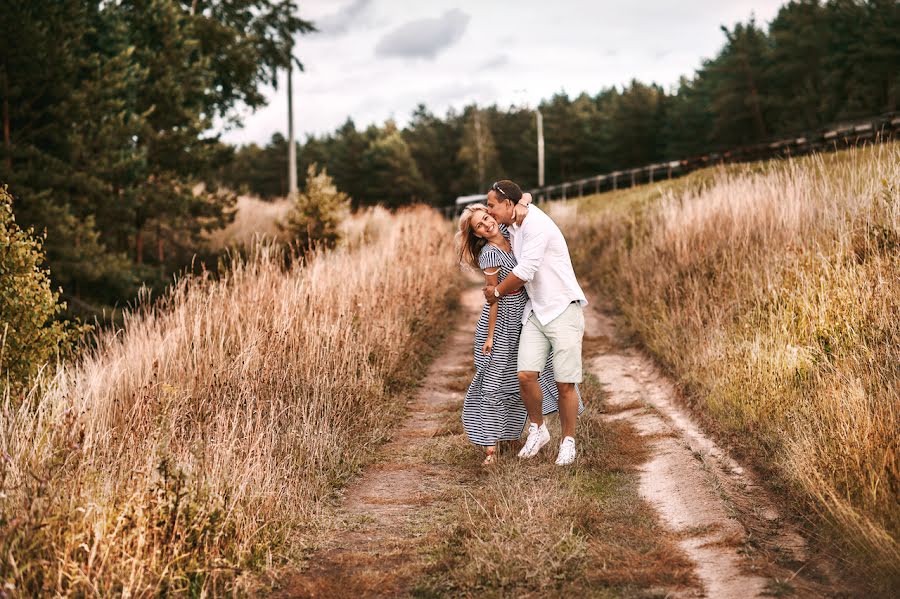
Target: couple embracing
528,337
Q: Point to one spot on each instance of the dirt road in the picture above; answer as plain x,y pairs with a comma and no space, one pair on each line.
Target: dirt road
390,508
727,525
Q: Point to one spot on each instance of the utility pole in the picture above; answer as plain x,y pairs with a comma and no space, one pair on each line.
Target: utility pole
6,134
540,146
292,147
478,151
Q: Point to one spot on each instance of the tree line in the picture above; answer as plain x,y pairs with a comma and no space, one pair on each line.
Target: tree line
816,63
108,109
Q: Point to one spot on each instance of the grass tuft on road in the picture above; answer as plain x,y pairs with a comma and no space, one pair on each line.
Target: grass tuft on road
532,529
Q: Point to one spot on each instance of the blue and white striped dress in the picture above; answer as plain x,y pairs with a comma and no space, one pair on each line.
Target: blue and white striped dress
493,410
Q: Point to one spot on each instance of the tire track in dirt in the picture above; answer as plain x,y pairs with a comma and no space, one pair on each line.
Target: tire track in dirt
729,526
389,508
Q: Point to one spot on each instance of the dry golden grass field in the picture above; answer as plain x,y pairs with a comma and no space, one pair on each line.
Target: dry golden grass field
202,438
771,292
204,448
253,217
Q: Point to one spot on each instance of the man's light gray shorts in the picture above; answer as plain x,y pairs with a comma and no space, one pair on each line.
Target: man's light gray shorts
563,335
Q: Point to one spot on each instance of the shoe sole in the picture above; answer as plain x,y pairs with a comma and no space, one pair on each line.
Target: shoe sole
536,450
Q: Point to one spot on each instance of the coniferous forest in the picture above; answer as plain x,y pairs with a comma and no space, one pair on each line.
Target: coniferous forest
109,146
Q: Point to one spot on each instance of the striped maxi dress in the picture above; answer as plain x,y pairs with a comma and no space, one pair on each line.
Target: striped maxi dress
493,410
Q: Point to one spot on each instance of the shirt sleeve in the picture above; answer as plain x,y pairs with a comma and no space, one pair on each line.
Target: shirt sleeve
489,258
534,247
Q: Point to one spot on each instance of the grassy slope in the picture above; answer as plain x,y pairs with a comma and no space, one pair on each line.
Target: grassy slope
202,439
772,292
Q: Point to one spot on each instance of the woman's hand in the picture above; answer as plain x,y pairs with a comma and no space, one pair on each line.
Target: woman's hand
521,208
488,346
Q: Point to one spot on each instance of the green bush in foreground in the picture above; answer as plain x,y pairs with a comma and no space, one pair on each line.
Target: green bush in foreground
30,333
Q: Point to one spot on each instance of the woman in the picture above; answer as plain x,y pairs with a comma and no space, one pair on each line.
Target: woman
493,410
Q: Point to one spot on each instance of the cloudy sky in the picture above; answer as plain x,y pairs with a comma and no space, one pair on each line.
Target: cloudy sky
377,59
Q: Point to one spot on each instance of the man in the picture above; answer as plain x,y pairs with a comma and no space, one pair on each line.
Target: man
553,317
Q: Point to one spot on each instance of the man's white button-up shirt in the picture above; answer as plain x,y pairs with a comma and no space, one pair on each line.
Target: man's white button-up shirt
545,266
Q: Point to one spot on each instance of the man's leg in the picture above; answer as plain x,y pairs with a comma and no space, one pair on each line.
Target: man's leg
532,396
534,347
566,333
568,408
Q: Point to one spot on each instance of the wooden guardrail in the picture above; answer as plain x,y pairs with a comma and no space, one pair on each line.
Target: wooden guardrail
874,129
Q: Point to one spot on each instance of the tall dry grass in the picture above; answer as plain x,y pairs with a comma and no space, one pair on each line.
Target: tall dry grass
773,293
203,437
256,219
253,218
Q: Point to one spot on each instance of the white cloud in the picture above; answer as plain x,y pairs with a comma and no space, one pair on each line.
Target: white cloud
343,20
486,52
424,38
496,62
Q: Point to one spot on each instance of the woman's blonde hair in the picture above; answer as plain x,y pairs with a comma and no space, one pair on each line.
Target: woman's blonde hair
469,245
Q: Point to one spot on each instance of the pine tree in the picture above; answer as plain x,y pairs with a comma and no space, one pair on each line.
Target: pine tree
346,161
318,211
67,75
515,137
258,170
861,75
882,63
391,174
435,147
592,151
107,108
800,40
689,120
637,125
739,86
560,137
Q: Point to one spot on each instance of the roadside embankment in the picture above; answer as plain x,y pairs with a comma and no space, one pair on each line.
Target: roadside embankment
771,292
202,438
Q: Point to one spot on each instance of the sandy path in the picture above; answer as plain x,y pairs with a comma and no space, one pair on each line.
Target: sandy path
389,508
728,525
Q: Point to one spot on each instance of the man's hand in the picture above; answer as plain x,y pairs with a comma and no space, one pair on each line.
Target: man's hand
488,346
489,294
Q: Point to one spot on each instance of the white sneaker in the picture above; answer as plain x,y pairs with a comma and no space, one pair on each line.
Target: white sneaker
538,436
566,452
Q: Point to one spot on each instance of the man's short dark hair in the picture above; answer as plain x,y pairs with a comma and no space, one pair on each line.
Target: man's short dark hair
507,190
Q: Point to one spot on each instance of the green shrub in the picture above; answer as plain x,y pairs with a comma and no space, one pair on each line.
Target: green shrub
31,334
317,213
